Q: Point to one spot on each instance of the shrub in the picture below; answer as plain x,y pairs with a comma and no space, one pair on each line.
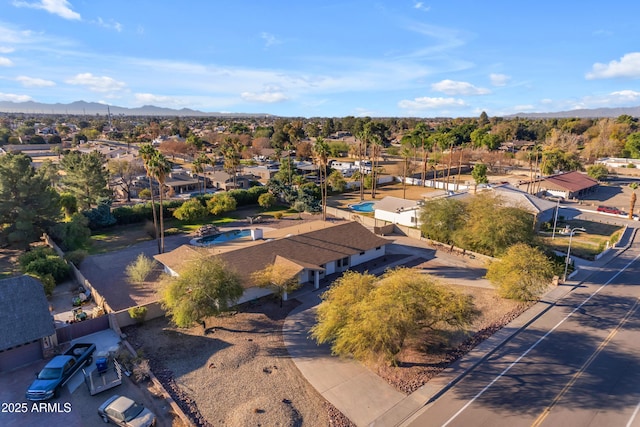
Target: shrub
138,270
34,254
145,194
53,265
191,210
277,215
141,370
76,257
138,313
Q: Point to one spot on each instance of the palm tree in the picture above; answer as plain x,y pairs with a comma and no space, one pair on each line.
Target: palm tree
159,167
632,206
148,152
421,139
363,137
321,151
198,168
231,151
376,147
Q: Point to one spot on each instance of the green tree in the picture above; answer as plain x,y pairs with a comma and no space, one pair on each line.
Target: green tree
221,203
191,210
159,167
492,227
479,173
28,204
266,200
321,153
232,151
198,168
632,145
206,287
147,152
281,277
337,182
632,200
69,204
442,218
74,234
598,172
523,273
375,318
85,177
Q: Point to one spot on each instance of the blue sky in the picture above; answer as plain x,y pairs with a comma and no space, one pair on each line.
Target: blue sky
324,58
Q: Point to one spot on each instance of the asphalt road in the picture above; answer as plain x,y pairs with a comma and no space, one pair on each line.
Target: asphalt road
578,364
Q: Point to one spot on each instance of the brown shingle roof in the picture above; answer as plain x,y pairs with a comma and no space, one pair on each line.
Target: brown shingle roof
572,181
24,312
310,250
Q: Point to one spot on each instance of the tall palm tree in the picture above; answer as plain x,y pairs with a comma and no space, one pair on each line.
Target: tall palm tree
421,139
632,206
148,152
376,148
160,167
363,140
198,168
231,151
321,151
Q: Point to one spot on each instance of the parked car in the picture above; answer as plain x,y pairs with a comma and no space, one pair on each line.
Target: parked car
609,209
122,411
58,371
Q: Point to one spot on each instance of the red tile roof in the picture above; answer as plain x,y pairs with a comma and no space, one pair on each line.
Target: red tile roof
572,181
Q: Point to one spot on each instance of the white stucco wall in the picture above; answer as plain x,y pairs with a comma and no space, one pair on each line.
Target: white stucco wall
402,218
367,256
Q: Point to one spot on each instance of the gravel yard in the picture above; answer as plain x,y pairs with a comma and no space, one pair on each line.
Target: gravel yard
238,373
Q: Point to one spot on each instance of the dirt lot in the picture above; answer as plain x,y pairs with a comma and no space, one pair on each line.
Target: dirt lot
239,372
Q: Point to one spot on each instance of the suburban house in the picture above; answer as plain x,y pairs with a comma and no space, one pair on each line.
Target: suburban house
618,162
543,210
225,181
180,181
310,251
263,172
570,185
26,325
399,211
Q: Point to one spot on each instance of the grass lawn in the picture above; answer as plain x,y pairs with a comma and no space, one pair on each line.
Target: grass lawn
586,244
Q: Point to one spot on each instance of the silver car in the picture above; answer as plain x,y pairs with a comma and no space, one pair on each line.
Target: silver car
125,412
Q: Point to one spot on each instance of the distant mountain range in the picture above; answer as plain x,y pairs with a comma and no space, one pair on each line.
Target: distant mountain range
584,113
93,108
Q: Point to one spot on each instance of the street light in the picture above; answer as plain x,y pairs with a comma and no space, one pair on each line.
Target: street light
566,264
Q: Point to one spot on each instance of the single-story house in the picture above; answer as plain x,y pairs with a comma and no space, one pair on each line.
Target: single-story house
225,181
570,185
618,162
399,211
181,182
311,251
27,327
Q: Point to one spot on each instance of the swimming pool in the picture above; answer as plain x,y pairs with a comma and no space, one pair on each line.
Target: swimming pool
363,207
226,236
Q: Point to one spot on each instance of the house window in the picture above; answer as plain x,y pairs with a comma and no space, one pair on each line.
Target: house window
378,248
361,253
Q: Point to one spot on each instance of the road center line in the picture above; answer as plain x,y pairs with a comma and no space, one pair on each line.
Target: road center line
534,345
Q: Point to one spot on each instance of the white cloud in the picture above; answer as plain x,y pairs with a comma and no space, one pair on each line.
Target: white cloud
4,49
34,82
149,98
111,25
628,66
5,62
269,39
97,84
427,103
451,87
499,79
266,97
523,108
14,97
626,95
61,8
421,6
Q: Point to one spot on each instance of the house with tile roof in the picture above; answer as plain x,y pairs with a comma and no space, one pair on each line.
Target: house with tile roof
310,251
570,185
26,324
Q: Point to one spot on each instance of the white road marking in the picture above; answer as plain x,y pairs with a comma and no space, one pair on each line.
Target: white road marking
515,362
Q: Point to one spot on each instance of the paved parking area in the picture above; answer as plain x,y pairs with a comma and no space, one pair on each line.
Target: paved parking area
75,406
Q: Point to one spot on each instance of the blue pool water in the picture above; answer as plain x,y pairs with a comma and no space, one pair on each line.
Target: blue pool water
363,207
215,239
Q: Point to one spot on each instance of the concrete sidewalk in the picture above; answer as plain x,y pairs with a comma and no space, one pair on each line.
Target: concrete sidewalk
364,397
